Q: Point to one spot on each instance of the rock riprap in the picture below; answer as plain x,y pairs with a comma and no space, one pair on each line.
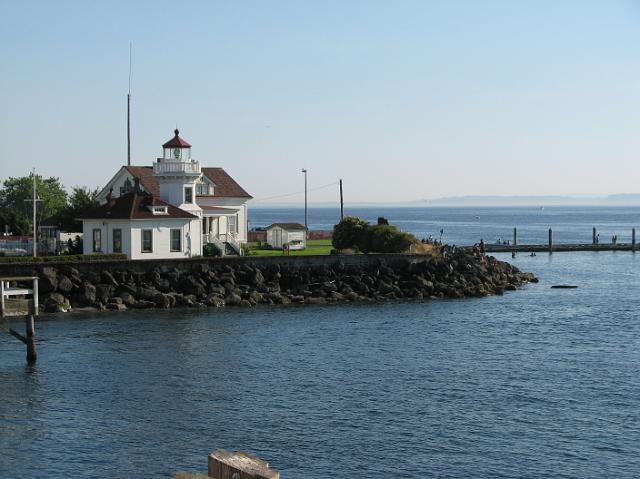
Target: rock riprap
250,283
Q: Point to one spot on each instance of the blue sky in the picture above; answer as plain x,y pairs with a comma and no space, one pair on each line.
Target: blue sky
404,100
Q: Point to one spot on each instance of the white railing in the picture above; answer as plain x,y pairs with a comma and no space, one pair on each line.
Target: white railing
220,241
213,239
231,239
176,167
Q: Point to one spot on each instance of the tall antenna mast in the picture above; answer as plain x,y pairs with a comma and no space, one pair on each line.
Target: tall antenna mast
129,112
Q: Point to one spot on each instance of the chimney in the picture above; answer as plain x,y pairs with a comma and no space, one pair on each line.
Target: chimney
110,199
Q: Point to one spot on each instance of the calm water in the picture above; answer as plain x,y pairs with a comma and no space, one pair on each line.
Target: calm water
536,383
465,226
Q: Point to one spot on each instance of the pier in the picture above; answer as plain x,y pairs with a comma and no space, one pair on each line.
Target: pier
557,248
18,300
552,247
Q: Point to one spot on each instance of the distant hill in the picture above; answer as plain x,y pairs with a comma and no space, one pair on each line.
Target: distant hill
618,199
627,199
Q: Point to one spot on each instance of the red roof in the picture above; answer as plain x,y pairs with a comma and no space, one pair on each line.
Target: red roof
225,186
176,141
135,205
147,180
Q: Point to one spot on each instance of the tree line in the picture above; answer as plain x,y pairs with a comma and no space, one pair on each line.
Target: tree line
56,206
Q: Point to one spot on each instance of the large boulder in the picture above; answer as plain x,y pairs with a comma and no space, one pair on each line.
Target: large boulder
87,294
116,307
48,281
127,298
191,285
107,278
104,292
65,285
56,303
164,301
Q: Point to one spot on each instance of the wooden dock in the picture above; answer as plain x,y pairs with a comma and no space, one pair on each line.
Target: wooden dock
552,247
16,299
556,248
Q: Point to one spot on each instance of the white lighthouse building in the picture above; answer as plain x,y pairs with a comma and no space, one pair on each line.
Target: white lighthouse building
168,210
177,175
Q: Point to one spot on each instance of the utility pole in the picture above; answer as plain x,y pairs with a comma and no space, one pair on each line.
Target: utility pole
341,202
306,225
35,227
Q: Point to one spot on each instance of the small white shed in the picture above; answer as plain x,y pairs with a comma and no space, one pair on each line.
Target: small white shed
292,234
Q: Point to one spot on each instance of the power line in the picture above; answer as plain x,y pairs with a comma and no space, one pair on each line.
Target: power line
297,192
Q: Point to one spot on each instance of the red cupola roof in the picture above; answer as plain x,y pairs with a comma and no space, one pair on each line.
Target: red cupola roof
176,142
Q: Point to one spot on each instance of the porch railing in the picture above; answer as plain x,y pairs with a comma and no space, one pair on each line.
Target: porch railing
176,167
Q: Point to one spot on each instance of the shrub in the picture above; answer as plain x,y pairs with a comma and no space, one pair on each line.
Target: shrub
349,232
211,250
384,238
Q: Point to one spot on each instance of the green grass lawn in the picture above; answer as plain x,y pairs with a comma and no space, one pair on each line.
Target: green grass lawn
313,247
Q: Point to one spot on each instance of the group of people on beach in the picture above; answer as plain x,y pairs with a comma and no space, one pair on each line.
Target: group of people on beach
431,240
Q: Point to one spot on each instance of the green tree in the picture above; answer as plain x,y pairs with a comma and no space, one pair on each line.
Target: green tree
385,239
14,222
81,201
349,232
16,191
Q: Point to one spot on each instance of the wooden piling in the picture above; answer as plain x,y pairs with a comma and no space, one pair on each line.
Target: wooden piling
633,239
29,323
14,302
550,240
593,238
229,465
515,236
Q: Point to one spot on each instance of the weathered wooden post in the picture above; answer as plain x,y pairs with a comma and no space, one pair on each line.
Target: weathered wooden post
228,465
550,240
14,303
633,239
31,339
515,236
593,237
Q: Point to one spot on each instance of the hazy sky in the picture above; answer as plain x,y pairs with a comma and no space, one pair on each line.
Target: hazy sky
403,99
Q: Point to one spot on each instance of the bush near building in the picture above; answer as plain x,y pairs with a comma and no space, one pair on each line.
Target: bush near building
355,233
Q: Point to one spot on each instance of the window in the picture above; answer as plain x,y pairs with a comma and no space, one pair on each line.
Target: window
202,188
176,240
188,194
159,210
147,241
97,240
117,240
232,224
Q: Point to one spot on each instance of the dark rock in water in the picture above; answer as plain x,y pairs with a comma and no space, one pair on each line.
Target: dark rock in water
103,292
315,300
87,294
233,299
163,301
127,298
144,304
48,280
64,284
116,307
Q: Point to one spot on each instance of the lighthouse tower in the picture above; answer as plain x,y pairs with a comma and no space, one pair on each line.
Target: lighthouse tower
177,174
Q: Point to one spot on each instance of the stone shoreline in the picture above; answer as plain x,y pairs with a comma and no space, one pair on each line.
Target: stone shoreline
250,283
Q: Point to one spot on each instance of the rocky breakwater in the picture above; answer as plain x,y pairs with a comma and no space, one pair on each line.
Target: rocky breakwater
250,283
